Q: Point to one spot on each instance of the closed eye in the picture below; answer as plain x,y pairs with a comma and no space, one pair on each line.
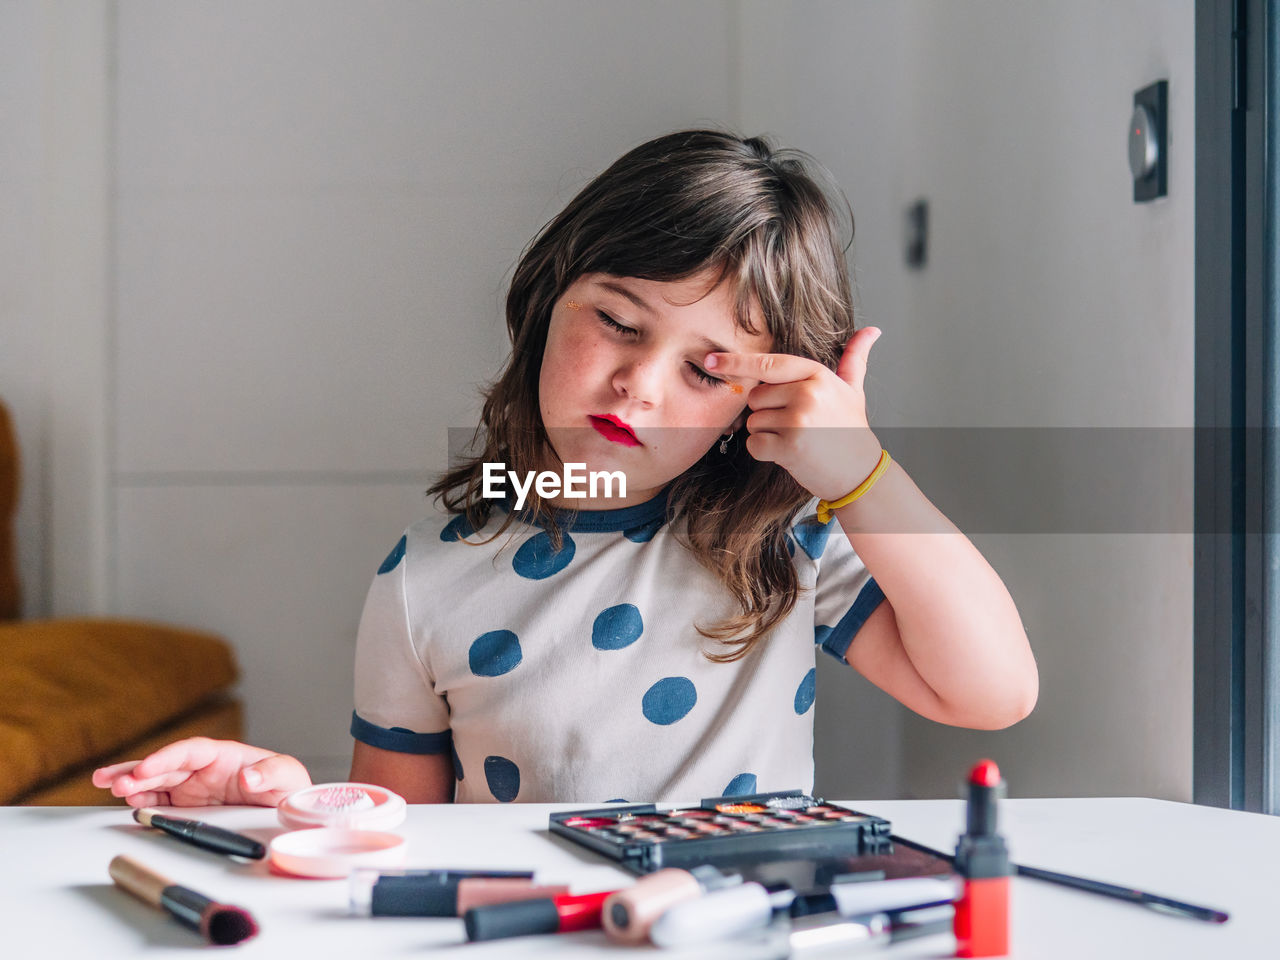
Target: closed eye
701,375
613,324
705,377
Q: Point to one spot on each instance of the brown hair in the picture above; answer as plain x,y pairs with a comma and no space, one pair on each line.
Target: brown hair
670,209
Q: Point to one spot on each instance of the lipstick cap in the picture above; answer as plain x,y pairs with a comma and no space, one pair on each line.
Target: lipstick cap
409,896
514,919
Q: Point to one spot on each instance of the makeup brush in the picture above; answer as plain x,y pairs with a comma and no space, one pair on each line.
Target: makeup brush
219,923
202,834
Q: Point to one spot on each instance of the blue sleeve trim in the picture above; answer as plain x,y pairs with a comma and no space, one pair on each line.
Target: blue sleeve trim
841,636
398,738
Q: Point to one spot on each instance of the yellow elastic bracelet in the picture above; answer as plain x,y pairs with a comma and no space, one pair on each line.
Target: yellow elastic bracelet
825,507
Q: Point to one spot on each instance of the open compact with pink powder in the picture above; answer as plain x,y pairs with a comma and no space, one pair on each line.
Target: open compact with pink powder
337,827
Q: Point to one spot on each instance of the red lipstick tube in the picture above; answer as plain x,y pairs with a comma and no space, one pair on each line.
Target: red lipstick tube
545,915
981,922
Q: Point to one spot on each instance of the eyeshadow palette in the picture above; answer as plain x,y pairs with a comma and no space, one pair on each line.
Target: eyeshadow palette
719,830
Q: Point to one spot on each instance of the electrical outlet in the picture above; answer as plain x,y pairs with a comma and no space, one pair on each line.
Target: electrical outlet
1148,143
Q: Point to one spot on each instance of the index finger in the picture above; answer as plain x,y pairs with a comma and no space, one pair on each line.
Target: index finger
191,754
103,776
764,367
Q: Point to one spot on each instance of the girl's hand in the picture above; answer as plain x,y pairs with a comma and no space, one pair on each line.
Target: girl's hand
808,420
199,772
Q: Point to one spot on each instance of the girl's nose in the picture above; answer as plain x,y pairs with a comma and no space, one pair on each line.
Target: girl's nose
639,380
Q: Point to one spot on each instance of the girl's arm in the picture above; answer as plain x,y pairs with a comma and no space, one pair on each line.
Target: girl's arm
418,777
948,641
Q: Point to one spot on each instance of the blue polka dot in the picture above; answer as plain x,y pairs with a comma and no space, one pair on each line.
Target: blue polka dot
535,560
617,627
812,536
820,634
503,778
494,653
743,785
806,691
459,528
646,531
669,700
457,763
393,558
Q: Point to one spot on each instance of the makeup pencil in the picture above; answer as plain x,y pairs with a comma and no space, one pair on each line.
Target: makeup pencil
1128,894
218,923
1141,897
202,834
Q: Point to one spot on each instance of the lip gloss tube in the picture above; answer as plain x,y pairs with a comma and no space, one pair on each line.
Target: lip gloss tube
562,914
628,914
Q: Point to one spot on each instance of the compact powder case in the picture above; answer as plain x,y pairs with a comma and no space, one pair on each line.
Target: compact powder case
338,827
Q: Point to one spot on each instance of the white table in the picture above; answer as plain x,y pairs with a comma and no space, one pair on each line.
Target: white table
56,899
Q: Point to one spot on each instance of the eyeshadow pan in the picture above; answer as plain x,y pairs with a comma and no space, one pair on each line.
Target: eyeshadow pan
584,822
742,808
720,827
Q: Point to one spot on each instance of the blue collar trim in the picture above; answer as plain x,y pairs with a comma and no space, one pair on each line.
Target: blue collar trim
608,521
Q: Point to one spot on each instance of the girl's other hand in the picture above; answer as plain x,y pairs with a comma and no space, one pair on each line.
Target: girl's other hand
201,772
805,418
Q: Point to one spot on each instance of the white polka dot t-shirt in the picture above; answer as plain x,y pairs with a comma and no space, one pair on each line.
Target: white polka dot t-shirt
579,675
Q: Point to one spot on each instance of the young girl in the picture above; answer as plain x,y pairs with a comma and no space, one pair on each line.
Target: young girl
686,325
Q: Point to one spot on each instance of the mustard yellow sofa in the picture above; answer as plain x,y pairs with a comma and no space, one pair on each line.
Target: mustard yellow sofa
79,693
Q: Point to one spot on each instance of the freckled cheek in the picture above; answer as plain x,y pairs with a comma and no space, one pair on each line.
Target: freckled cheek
582,355
569,361
709,416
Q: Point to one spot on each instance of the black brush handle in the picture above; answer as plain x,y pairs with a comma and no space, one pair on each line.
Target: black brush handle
209,837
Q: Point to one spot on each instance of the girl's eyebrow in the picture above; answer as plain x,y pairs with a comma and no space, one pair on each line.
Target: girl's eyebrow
712,346
635,298
643,304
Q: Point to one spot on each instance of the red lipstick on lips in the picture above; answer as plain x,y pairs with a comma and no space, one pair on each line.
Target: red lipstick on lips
611,428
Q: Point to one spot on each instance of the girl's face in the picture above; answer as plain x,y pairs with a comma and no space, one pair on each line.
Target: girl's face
622,384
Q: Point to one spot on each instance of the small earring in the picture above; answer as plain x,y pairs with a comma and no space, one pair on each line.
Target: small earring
724,443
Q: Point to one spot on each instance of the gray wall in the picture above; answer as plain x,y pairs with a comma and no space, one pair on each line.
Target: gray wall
22,349
1089,310
276,238
1050,301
